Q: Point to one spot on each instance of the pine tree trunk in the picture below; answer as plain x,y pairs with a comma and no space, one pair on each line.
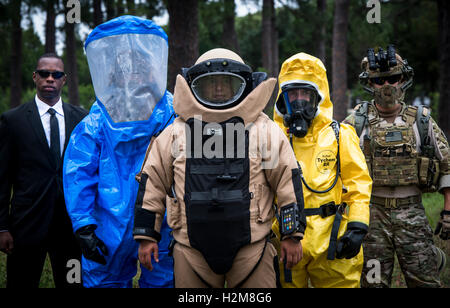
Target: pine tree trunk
269,47
321,29
274,39
120,8
229,36
131,7
266,44
16,54
50,28
71,64
98,15
110,12
183,37
444,48
339,61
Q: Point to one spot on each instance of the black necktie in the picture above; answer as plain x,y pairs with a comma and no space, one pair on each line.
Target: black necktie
54,136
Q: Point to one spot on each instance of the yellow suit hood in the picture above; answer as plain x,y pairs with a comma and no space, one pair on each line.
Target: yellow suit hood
304,68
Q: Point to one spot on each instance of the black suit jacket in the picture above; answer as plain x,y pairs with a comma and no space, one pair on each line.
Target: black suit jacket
27,167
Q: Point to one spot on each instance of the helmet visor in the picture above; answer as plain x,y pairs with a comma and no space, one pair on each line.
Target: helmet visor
218,89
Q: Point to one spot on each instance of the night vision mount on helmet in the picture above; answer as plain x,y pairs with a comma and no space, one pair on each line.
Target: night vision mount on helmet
384,64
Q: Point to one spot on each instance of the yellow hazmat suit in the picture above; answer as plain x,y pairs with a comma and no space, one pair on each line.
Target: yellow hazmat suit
316,154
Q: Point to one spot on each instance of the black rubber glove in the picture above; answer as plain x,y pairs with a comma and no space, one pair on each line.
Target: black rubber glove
443,226
349,244
91,245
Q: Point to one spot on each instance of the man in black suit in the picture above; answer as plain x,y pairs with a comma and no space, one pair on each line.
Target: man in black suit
34,221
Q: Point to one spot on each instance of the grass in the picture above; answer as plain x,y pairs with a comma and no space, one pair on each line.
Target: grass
46,277
433,204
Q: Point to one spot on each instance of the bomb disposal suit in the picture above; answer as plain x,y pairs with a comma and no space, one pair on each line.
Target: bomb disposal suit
127,58
216,170
335,179
407,154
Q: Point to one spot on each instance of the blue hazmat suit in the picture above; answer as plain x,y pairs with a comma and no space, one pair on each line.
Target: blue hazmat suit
127,58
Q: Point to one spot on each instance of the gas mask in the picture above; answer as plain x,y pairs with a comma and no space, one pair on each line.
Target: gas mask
301,102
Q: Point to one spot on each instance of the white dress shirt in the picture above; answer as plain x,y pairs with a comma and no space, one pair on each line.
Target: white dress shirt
45,119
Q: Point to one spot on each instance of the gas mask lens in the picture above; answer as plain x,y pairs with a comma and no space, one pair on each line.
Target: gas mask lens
302,94
218,89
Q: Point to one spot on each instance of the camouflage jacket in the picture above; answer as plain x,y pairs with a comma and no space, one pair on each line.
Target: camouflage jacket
428,142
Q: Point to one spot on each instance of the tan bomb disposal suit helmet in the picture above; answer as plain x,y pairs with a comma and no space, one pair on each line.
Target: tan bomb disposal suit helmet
220,79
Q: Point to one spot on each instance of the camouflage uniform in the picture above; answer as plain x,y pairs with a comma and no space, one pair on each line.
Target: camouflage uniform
398,224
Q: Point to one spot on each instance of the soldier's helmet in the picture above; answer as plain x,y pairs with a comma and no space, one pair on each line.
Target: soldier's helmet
385,66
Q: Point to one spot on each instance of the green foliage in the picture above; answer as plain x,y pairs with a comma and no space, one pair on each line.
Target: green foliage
87,95
32,49
411,26
297,29
210,25
4,100
4,60
434,204
28,95
248,31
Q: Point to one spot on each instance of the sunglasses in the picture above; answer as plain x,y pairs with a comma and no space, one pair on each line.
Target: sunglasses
55,75
381,80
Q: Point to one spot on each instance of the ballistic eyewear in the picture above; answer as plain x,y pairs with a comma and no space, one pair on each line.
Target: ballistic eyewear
381,80
55,75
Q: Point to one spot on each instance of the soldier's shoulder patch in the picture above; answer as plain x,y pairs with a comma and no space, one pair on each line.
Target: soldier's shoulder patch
357,107
426,111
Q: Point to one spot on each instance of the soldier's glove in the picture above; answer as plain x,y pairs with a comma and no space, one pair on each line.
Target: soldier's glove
443,226
349,245
91,246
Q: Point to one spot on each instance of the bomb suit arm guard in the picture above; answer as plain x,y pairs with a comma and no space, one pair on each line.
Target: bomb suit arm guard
283,175
155,180
356,180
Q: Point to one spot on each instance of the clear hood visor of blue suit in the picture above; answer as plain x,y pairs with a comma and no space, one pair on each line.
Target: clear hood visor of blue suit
129,73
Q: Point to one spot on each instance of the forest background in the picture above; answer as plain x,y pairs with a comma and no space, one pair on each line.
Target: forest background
263,32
